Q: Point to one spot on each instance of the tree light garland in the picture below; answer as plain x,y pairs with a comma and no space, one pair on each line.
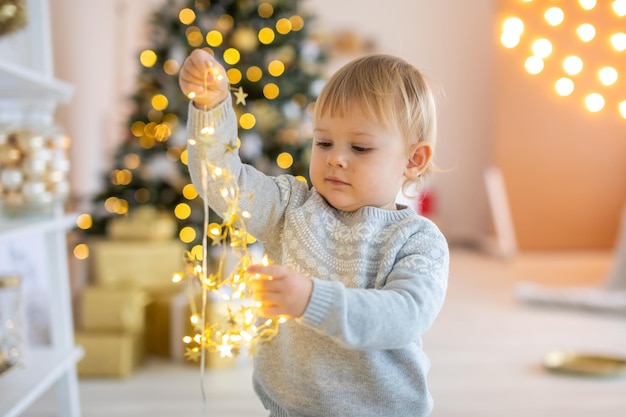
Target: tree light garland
241,327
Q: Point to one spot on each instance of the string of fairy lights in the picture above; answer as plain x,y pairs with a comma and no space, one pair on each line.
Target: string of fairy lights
239,328
580,45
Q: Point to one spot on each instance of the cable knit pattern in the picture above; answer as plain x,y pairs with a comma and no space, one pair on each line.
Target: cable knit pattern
379,281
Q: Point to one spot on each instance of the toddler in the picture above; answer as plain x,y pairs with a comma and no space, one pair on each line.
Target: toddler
362,276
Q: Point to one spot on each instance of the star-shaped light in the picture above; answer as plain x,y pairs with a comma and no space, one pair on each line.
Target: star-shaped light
241,96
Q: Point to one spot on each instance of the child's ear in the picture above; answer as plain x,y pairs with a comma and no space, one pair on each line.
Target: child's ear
420,154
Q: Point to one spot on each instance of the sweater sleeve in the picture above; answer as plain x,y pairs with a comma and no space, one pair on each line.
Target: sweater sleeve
212,149
393,316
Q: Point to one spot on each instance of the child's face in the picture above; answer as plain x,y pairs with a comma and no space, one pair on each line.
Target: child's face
357,162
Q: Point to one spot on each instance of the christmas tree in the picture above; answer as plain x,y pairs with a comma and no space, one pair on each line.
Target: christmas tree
273,64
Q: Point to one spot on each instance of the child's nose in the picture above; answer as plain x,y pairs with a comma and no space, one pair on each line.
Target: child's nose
337,158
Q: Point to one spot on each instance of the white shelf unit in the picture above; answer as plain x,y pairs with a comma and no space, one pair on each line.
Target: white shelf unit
52,365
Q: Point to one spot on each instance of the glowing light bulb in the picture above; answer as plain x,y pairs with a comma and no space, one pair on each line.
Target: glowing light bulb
619,7
622,109
573,65
618,41
509,40
542,48
554,16
534,65
586,32
594,102
608,75
587,4
513,25
564,86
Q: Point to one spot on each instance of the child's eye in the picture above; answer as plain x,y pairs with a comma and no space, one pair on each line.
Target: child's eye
360,149
323,144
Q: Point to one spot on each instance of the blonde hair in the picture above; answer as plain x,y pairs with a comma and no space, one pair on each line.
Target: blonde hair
389,90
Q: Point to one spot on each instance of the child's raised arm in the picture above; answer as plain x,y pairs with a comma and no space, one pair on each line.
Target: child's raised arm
203,79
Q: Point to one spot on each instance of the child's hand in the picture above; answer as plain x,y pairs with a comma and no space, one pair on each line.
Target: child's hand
281,291
203,79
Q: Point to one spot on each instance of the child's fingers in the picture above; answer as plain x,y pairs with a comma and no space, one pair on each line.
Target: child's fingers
275,271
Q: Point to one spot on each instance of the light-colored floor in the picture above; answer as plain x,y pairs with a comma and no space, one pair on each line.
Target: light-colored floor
486,350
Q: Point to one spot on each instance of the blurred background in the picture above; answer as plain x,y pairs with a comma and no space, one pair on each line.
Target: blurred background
532,151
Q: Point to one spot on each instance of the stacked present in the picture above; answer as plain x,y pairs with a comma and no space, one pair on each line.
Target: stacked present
132,308
131,267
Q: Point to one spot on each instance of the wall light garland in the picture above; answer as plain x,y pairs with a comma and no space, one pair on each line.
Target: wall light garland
580,45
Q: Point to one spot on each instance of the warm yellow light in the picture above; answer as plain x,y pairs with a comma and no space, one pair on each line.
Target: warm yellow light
618,41
137,128
184,157
297,23
265,10
586,32
587,4
513,25
190,192
182,211
542,48
186,16
573,65
148,58
132,161
116,205
231,56
176,278
254,73
534,64
81,251
214,38
171,67
266,36
84,221
554,16
301,179
608,75
215,229
276,68
187,234
271,91
284,160
564,86
197,252
234,75
594,102
194,36
619,7
509,40
159,102
283,26
247,121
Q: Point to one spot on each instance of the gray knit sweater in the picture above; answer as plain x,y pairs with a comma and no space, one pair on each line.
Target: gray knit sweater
379,282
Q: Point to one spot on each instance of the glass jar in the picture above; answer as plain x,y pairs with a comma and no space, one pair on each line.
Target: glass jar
12,334
34,167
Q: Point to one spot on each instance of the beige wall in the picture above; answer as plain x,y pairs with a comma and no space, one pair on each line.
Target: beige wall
564,167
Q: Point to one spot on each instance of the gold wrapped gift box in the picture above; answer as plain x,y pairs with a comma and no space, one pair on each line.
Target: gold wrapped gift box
143,223
113,309
148,265
109,354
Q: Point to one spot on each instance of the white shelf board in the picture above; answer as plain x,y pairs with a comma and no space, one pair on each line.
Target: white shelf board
13,227
19,82
21,387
